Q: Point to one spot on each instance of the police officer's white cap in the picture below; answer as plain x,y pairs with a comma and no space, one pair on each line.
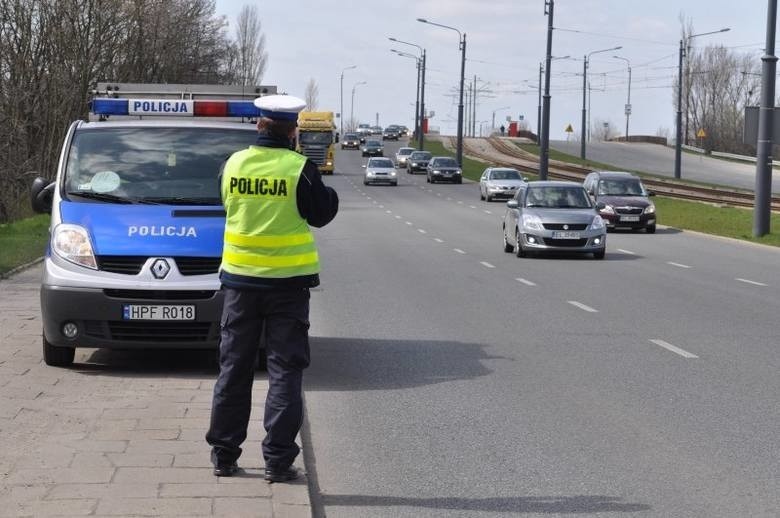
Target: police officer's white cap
280,107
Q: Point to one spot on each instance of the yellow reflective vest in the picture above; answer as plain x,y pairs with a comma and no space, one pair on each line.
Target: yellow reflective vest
265,235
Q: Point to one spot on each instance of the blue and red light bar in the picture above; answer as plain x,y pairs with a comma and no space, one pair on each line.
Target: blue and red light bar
174,108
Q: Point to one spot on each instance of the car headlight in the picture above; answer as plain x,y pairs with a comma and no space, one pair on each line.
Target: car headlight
72,243
597,223
532,222
608,209
650,209
458,172
436,171
392,173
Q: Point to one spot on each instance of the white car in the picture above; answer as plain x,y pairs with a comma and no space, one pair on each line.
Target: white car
500,182
380,170
402,154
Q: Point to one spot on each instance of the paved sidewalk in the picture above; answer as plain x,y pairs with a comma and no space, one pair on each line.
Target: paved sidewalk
120,433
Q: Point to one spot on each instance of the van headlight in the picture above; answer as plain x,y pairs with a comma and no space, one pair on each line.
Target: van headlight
597,223
72,243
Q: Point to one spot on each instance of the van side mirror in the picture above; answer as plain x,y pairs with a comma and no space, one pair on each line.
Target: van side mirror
512,204
41,195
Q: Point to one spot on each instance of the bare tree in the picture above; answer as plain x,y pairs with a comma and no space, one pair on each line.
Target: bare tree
312,95
603,130
250,47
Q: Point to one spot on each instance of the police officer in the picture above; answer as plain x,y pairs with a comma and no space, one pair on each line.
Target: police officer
269,261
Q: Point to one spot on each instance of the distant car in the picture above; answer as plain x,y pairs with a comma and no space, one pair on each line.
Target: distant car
350,141
391,133
372,148
404,131
499,182
364,129
380,170
547,216
443,169
624,198
376,130
418,161
402,154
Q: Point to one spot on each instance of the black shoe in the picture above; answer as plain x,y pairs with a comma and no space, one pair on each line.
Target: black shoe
225,470
281,475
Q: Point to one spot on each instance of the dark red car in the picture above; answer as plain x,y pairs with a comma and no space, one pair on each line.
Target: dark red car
622,200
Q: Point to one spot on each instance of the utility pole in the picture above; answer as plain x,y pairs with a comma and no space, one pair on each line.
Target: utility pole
763,208
544,152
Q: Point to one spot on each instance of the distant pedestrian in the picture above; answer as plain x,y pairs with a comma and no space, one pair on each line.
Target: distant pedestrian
269,261
502,129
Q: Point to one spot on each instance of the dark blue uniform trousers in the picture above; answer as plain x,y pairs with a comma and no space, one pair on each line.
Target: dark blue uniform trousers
284,313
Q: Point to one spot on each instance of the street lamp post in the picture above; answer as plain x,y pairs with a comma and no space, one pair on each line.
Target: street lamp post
418,61
679,136
628,100
493,124
421,87
352,105
539,108
341,115
462,42
585,60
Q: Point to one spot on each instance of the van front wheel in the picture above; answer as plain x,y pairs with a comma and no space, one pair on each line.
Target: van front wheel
57,356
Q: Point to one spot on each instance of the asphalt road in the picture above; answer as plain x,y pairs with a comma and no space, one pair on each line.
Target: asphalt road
657,159
451,379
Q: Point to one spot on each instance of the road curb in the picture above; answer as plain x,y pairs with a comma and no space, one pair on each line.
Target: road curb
13,271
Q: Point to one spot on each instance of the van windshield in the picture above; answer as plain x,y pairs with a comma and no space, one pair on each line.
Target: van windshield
151,165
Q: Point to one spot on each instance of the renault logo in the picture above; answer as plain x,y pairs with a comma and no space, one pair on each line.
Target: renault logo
160,268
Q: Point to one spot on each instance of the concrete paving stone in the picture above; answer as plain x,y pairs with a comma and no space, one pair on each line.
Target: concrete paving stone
151,460
135,435
193,460
252,488
295,492
37,476
115,424
48,459
244,507
194,434
291,510
90,445
132,475
64,439
177,423
155,506
176,395
70,491
9,409
21,392
162,384
151,412
82,507
198,413
91,460
174,447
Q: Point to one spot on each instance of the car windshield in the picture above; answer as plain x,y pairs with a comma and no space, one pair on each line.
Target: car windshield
445,162
381,162
627,187
558,197
421,155
373,143
152,165
350,136
505,174
315,138
405,151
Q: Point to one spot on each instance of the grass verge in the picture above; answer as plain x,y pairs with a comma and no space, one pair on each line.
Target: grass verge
23,241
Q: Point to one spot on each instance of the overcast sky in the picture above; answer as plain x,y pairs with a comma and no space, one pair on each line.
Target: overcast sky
506,40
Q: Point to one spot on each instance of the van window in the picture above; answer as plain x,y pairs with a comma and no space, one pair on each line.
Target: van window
152,165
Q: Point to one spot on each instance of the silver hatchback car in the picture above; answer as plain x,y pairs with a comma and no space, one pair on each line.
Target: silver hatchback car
548,216
380,170
402,154
499,182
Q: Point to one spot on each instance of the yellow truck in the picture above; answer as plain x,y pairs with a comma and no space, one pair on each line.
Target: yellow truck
316,132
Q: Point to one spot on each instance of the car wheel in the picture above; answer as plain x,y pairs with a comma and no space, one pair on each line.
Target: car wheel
365,182
508,248
519,250
488,198
650,229
57,356
459,180
481,196
600,254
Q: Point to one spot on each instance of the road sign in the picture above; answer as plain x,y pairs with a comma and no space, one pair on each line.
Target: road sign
569,129
628,109
701,133
521,117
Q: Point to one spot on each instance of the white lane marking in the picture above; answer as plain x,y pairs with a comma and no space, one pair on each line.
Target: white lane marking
674,349
438,240
449,199
472,207
748,281
421,231
678,265
486,264
398,217
487,212
525,281
381,206
459,250
438,194
629,252
460,202
389,211
408,222
582,306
